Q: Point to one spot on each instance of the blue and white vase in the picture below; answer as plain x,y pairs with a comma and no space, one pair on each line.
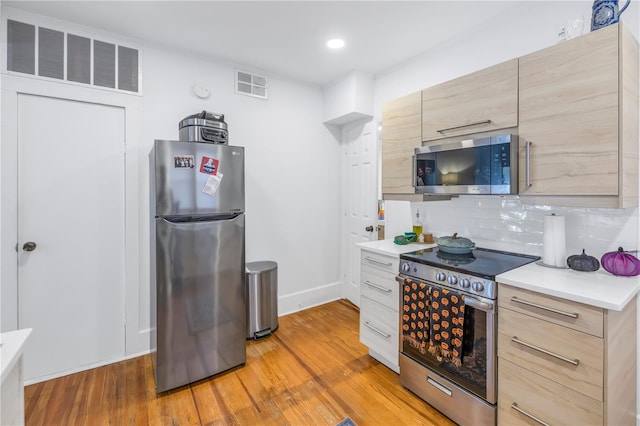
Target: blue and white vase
605,13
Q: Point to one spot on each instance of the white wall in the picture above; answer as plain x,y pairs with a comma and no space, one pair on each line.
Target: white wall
292,166
292,173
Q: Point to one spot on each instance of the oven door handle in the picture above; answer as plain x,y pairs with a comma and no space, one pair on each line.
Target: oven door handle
476,304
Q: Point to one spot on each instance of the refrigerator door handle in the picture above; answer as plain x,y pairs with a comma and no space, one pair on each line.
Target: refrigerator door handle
196,219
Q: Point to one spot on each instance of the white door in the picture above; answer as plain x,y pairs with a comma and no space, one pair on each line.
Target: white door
361,199
71,207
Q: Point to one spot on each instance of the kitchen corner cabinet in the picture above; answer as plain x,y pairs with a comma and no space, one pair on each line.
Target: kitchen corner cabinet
401,134
564,362
578,118
379,307
482,101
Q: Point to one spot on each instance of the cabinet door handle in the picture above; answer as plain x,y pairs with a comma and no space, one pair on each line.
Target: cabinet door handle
515,339
464,125
527,163
573,315
377,261
378,287
377,330
531,416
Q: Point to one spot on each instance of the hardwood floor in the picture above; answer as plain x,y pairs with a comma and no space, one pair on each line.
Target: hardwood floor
312,371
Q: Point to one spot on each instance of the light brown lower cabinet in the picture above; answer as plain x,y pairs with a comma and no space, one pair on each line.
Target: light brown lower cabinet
555,369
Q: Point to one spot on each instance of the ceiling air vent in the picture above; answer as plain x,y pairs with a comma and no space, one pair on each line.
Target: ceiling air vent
251,84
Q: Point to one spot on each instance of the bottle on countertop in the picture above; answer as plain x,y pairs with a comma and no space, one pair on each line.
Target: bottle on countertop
417,225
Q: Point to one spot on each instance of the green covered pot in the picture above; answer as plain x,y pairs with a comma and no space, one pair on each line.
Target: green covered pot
455,245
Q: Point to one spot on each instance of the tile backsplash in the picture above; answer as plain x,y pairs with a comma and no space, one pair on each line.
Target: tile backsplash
504,223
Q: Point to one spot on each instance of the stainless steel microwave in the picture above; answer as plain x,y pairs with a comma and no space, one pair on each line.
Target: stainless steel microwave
476,166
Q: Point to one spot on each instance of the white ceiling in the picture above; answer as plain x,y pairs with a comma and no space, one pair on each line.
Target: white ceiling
284,37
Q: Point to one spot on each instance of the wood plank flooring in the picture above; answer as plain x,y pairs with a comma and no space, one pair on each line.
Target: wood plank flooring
312,371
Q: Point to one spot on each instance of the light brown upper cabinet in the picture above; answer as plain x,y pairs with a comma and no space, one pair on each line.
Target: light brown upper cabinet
483,101
578,119
401,134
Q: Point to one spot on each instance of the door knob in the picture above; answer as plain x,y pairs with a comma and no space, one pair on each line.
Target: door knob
369,228
29,246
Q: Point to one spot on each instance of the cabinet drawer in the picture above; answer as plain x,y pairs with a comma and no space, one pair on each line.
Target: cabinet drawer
379,329
577,316
381,287
584,374
543,398
380,261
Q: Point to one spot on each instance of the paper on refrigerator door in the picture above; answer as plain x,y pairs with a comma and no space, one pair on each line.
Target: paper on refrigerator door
554,241
212,184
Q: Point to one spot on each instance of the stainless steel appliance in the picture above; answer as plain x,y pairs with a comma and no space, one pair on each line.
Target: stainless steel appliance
463,390
204,127
198,308
475,166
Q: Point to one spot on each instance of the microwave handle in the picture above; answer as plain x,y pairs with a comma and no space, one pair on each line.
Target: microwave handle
414,169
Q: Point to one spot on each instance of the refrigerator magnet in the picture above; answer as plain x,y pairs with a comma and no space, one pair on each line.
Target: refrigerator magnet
183,161
209,165
211,186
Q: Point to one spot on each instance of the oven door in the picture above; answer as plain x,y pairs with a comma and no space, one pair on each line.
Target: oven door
477,372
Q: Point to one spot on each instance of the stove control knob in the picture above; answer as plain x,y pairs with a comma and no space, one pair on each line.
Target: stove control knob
452,280
465,283
477,286
440,276
406,267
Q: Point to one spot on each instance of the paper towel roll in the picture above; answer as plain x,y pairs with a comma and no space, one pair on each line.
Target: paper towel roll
554,242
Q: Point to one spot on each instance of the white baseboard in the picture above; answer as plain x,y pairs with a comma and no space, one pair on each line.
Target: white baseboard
295,302
59,374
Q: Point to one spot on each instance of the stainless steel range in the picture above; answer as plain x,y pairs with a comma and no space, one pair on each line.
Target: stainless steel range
448,329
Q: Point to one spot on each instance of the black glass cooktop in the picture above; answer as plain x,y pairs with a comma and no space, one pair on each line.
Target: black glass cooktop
480,262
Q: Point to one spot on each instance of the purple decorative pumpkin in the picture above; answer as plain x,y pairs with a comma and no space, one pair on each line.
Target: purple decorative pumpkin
621,263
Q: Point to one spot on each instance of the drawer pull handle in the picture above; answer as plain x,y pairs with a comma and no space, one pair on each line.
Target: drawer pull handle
438,386
573,315
378,287
464,125
531,416
380,332
527,155
544,351
378,262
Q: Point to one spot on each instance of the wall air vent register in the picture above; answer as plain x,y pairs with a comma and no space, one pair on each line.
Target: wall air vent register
251,84
49,53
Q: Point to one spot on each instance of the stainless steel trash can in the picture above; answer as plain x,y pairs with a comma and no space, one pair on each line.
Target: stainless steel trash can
262,298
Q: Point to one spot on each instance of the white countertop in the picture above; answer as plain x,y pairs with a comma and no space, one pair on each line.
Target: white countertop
11,345
390,248
598,288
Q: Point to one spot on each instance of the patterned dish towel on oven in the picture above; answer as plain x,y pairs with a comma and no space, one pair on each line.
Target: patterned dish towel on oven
415,315
446,325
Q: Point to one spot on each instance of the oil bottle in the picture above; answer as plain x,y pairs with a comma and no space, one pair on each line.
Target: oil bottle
417,225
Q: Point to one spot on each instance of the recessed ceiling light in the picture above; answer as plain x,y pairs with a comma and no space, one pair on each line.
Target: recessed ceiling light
335,43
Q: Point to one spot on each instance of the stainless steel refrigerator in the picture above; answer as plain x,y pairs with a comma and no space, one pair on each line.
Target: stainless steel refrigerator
198,308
